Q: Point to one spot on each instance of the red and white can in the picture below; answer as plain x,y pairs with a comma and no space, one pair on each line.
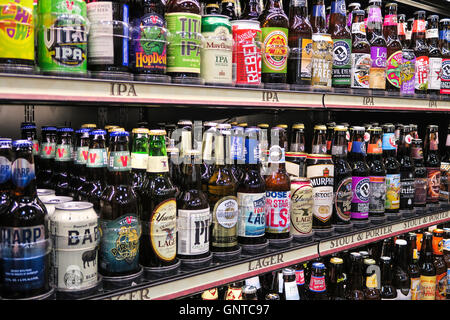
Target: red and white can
246,52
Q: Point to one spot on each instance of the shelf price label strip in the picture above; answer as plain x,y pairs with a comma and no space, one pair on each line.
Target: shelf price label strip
48,89
215,278
374,234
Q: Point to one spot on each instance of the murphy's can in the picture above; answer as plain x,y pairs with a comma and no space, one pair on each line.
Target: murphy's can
62,37
246,52
320,170
75,237
217,51
296,164
301,206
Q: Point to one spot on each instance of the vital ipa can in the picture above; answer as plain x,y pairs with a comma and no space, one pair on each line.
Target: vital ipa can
74,230
301,206
247,52
217,52
62,37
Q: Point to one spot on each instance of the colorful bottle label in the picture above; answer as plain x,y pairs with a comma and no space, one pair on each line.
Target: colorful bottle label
300,277
247,56
360,71
225,217
360,200
322,181
408,74
342,52
97,158
359,147
377,76
444,191
420,191
317,284
434,184
343,199
422,71
301,209
392,191
23,172
427,287
415,288
434,78
163,230
276,50
278,218
322,60
193,231
377,198
252,219
5,169
389,141
82,154
441,286
394,63
119,244
445,77
390,20
48,150
119,161
63,152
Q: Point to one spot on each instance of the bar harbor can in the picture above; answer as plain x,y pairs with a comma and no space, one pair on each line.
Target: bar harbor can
301,206
75,238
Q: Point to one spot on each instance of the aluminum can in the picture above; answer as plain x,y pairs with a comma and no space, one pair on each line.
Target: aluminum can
301,206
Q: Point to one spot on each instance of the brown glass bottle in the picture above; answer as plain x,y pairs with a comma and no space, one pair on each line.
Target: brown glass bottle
413,267
371,291
394,48
432,163
252,10
60,181
319,142
439,264
228,8
427,269
401,29
378,50
354,285
318,17
274,29
300,44
297,143
360,52
212,7
434,54
420,47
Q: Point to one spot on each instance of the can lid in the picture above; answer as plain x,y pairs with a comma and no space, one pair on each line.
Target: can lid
157,132
57,200
74,206
299,179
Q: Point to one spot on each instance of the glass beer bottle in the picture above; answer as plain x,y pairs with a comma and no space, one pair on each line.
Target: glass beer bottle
378,49
394,48
434,54
63,162
392,169
361,59
432,163
420,47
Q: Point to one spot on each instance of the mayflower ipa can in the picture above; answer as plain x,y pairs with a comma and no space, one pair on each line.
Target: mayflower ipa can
62,37
320,170
322,61
74,230
247,52
301,206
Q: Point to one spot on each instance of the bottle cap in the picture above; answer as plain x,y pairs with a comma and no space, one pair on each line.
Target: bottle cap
65,129
318,265
22,144
140,130
247,289
336,260
119,134
288,271
97,132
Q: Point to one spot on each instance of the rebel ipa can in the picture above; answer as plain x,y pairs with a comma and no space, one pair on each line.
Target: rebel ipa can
301,206
74,231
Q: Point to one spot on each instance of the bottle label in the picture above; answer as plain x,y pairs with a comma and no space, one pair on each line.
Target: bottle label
184,49
427,287
319,149
374,15
359,147
119,161
291,291
415,288
375,148
302,59
372,281
392,191
432,33
101,48
252,220
276,50
225,217
390,20
163,230
342,50
401,28
434,78
343,199
408,74
277,154
300,277
359,28
139,160
322,181
444,191
377,76
5,169
394,63
317,284
419,26
441,286
48,150
301,209
157,164
377,197
24,254
420,191
389,142
278,218
322,60
35,148
254,281
96,158
422,70
360,199
23,172
361,63
82,155
445,76
434,184
407,193
193,231
63,152
148,47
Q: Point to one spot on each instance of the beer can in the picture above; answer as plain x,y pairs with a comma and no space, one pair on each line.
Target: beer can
52,201
322,61
74,232
246,52
217,51
42,193
301,206
62,37
296,164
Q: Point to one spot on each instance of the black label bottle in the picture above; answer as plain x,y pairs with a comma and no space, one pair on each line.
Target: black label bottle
377,173
407,176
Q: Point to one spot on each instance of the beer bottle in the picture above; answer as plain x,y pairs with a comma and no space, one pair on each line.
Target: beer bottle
212,7
119,213
318,19
300,279
378,48
24,255
237,152
444,192
60,181
47,157
387,290
420,173
413,267
249,293
342,45
28,131
175,162
409,28
290,291
207,166
360,177
434,54
184,48
394,48
317,283
377,190
158,245
371,291
79,170
139,157
252,10
278,192
256,283
401,279
297,138
433,164
420,47
264,148
96,169
427,269
274,28
445,70
354,286
342,178
446,252
251,196
222,198
193,211
330,135
392,169
6,159
228,8
407,176
234,291
300,44
361,59
401,29
336,279
319,142
352,7
439,264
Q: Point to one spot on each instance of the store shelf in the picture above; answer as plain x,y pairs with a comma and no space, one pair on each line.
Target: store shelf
187,283
435,6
